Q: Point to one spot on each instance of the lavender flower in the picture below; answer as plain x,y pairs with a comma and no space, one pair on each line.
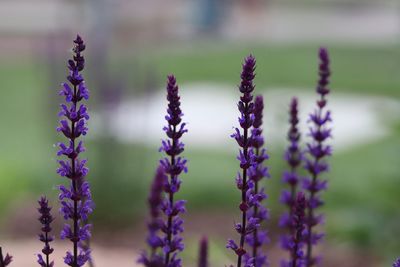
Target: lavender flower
45,219
247,160
256,173
155,224
296,241
293,156
5,261
173,165
203,252
317,151
397,263
75,199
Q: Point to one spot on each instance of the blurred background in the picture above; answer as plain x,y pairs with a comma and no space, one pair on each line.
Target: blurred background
131,46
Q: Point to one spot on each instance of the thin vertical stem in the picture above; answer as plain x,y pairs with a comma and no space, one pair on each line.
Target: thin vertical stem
75,187
255,234
244,187
310,209
292,198
171,200
76,238
47,245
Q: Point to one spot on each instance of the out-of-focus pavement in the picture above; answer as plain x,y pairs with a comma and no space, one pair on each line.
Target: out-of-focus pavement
24,254
143,19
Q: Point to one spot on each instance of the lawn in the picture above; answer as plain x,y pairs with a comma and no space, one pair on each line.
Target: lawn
372,70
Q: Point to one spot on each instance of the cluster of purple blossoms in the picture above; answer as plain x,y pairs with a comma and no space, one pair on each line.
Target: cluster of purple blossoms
251,157
294,158
45,219
173,165
297,240
155,241
75,199
256,173
396,263
317,151
5,261
168,180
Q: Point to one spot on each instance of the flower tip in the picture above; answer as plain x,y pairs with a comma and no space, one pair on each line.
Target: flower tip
294,110
259,99
324,54
250,60
160,170
204,241
250,57
171,78
42,200
78,39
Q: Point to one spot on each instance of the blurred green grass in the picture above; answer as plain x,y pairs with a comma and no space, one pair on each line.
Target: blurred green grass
363,195
372,70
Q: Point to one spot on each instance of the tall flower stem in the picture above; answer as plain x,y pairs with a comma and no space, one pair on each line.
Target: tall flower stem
173,165
74,185
256,173
318,151
246,122
298,222
244,209
246,156
255,237
155,224
171,203
166,184
76,200
45,219
293,157
293,154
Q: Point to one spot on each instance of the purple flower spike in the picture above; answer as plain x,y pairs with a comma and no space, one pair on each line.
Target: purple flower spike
203,252
45,219
247,159
317,151
5,261
173,165
76,201
396,263
255,173
294,157
297,239
155,225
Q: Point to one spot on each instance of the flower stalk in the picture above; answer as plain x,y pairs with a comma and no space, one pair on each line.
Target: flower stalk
173,165
293,157
76,201
45,219
317,151
298,222
245,157
155,224
256,173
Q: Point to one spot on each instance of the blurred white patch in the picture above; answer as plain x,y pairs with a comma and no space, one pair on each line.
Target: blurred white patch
211,113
